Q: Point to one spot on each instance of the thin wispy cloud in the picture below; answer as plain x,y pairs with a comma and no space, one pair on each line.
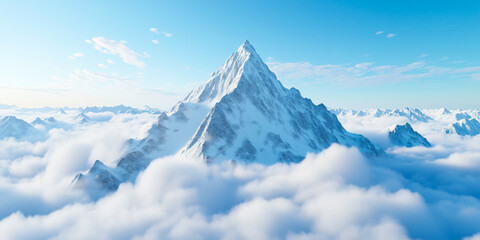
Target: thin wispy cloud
52,91
475,76
110,61
443,58
379,32
87,77
364,73
167,34
155,41
117,48
423,55
156,31
391,35
76,55
102,65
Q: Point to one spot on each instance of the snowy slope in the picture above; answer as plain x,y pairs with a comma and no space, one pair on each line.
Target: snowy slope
405,136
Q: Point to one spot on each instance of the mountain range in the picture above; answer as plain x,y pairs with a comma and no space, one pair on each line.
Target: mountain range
460,122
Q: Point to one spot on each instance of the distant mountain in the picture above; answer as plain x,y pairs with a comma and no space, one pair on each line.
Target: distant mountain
242,113
11,126
461,122
412,114
405,136
98,175
115,109
39,121
48,123
45,121
464,127
81,118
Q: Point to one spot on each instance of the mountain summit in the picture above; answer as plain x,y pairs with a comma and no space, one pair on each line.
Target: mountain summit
241,113
243,69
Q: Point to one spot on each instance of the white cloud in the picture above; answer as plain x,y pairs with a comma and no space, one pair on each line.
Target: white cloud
443,58
36,177
155,41
184,199
379,32
102,65
117,48
110,61
391,35
423,55
474,237
475,76
87,77
154,30
76,55
166,34
469,160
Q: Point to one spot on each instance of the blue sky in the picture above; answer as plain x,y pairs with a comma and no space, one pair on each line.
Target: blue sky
349,54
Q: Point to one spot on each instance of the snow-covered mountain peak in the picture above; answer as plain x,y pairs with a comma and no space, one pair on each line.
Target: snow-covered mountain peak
241,113
254,118
247,49
243,69
404,135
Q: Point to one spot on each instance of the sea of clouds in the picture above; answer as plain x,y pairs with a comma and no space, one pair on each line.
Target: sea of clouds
427,193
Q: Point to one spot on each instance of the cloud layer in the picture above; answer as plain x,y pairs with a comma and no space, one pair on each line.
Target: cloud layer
335,194
117,48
